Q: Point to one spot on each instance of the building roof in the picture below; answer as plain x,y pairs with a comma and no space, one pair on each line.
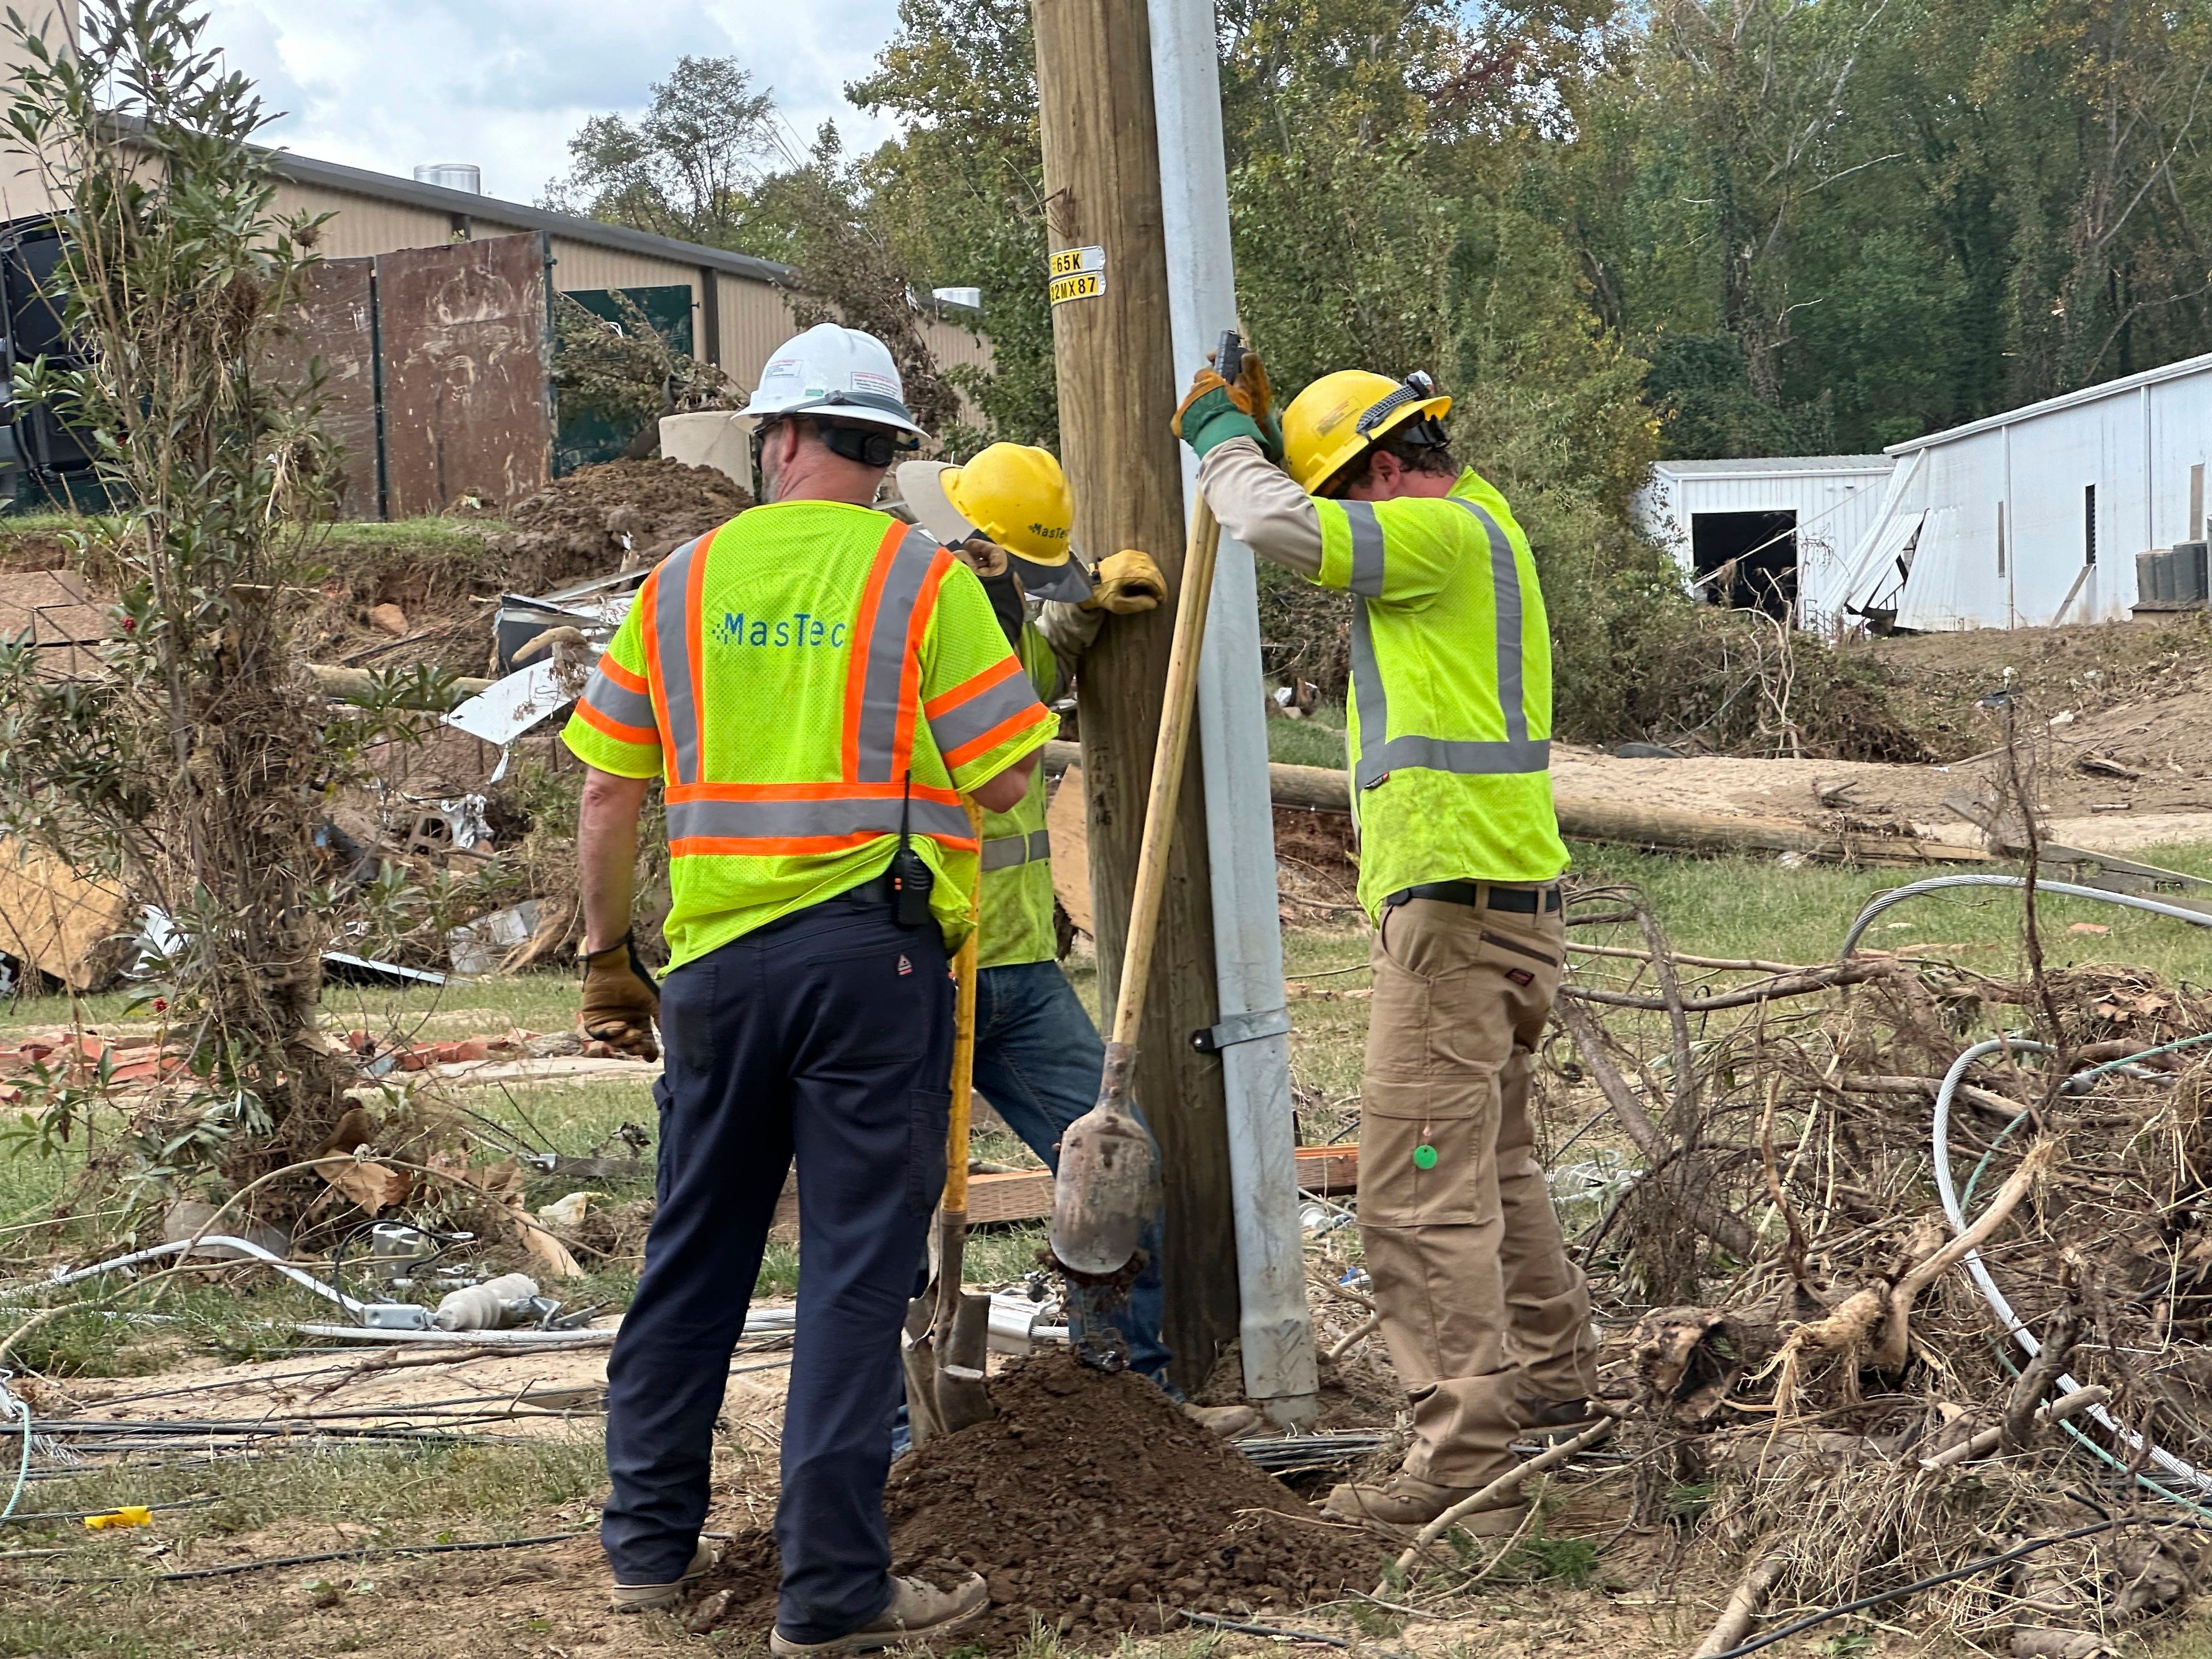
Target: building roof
1775,466
2088,394
384,186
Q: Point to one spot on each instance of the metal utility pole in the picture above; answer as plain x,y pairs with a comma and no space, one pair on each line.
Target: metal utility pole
1117,394
1253,1036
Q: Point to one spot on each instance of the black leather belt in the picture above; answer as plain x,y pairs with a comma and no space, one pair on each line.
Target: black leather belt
1521,901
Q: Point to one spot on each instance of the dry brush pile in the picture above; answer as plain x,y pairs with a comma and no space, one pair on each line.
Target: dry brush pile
1816,1393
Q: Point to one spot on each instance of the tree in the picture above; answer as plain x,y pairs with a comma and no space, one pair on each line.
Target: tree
191,768
687,167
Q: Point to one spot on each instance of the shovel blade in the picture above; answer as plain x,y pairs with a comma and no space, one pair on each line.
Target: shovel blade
918,1355
963,1401
1108,1187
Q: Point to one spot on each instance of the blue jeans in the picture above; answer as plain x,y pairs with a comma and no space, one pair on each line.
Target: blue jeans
1037,1061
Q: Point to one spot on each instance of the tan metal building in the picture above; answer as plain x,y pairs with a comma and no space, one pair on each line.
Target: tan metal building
739,313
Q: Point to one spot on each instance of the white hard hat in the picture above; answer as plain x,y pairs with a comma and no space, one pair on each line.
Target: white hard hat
838,372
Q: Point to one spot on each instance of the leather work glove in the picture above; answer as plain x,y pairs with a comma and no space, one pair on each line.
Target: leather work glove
621,1001
1209,414
982,556
1127,583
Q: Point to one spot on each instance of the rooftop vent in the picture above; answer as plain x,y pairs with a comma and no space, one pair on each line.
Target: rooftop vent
453,175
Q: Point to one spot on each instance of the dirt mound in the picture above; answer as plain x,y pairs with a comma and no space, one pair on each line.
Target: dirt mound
617,515
1089,1501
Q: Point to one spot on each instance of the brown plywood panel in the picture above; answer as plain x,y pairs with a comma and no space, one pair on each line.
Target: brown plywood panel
335,322
62,923
468,408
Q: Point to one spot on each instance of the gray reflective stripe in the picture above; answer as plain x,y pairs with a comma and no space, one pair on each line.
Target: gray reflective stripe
673,641
1380,754
1505,582
886,659
618,703
1366,549
1004,851
963,723
750,820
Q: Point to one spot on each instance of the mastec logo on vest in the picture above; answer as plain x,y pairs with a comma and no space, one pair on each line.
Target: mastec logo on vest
735,628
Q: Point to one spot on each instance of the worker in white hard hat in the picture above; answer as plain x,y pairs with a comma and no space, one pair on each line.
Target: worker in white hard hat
818,685
1010,515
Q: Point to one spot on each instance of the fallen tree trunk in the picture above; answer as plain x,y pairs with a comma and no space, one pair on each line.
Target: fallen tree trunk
1324,789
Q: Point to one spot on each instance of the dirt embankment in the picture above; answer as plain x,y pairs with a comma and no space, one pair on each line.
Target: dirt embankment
1092,1502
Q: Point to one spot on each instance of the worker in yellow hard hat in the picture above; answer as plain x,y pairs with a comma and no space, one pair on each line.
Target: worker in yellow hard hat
1009,512
1487,1320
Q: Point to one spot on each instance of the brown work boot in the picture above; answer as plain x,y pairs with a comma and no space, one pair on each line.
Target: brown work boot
917,1611
1228,1422
1406,1503
661,1598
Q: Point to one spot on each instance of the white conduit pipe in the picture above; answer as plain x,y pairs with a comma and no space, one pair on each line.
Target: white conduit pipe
1972,1259
244,1246
1881,901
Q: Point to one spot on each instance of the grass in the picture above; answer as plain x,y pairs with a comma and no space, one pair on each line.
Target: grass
1316,740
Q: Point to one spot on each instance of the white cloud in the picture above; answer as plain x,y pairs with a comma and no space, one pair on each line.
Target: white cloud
387,84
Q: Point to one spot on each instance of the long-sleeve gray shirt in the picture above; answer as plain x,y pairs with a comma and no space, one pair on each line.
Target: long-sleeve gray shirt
1259,505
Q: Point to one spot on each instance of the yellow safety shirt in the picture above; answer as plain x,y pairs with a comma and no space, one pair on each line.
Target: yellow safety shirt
801,679
1017,925
1451,678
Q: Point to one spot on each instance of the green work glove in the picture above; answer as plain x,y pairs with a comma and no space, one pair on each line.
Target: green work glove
1209,416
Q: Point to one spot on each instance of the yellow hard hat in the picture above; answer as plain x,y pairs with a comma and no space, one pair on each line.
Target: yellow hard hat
1338,418
1013,493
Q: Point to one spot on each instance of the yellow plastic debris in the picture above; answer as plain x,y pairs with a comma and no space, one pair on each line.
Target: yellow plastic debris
131,1515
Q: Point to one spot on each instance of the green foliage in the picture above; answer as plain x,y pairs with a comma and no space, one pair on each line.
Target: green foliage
624,371
684,168
187,767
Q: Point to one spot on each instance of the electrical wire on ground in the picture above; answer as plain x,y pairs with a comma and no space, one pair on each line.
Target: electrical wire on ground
1881,901
363,1553
22,1410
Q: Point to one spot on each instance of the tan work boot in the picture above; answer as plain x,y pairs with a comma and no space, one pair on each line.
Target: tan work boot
1229,1422
1406,1503
659,1598
916,1609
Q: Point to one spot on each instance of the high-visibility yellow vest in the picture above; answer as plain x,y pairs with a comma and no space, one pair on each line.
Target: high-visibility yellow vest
803,680
1016,923
1451,679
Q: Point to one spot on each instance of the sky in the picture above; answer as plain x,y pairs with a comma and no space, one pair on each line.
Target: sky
387,84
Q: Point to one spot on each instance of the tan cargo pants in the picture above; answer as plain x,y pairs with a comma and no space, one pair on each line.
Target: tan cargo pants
1485,1319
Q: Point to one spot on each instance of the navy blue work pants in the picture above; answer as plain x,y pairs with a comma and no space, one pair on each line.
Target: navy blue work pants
827,1033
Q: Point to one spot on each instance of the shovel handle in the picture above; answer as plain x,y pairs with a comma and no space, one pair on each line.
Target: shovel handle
964,1038
1166,770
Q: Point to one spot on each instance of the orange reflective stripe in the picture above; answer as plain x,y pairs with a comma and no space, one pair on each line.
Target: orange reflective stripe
620,676
614,728
647,601
922,791
909,691
792,846
864,628
1012,726
974,685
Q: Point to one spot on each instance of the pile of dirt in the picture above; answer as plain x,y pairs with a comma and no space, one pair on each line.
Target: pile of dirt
1092,1502
620,514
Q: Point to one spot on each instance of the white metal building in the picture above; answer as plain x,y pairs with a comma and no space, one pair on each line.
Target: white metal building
2034,517
1783,527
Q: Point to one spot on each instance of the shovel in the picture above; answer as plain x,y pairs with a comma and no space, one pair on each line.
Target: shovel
1109,1169
949,1327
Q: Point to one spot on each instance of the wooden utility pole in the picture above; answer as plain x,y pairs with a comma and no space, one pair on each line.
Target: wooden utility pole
1117,394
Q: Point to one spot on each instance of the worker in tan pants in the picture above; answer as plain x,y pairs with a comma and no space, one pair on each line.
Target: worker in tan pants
1486,1321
